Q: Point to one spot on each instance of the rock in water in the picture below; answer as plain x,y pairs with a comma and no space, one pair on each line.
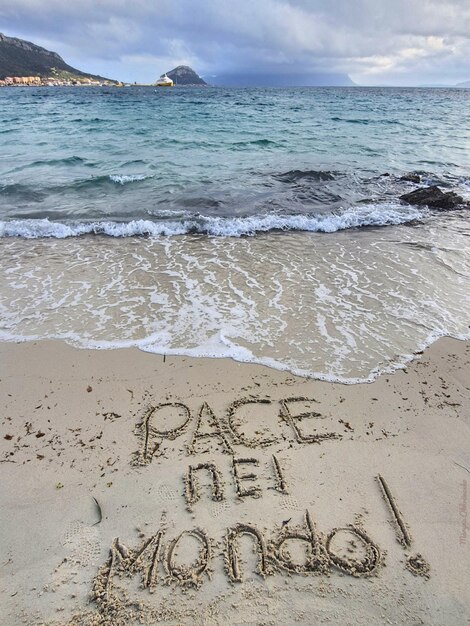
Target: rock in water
412,177
433,197
184,75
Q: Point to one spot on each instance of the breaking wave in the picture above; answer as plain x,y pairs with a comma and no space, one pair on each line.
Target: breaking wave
354,217
122,179
27,191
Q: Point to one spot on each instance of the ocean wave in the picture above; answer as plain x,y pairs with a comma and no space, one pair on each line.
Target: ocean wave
294,176
464,188
354,217
67,161
72,160
94,182
262,143
122,179
350,121
21,192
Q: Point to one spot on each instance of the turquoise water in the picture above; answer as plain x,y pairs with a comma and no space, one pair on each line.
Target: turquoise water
198,159
336,278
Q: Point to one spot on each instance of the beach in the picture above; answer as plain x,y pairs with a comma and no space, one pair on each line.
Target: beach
141,488
234,356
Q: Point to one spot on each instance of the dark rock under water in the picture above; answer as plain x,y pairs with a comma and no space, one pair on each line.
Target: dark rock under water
412,177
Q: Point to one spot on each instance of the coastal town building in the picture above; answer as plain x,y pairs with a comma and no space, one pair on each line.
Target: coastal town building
38,81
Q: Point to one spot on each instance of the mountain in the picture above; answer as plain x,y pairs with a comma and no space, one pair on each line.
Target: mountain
465,85
283,80
184,75
23,58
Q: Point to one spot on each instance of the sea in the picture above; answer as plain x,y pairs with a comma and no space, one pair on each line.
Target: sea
263,225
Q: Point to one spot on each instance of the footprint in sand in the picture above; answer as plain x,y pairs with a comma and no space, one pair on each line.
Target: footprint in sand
209,620
164,493
82,544
289,503
218,508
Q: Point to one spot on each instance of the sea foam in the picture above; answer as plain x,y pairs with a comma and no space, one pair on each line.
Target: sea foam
122,179
380,214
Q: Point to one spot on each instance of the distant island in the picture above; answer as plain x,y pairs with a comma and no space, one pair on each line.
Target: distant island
184,75
25,63
464,85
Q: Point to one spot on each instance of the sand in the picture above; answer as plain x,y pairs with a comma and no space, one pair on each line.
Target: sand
137,489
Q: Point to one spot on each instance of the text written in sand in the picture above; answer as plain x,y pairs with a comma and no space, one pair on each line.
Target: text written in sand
189,557
168,421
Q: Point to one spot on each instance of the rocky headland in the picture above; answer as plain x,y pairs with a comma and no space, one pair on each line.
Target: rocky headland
25,63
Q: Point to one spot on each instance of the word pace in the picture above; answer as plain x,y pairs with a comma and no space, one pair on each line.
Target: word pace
230,429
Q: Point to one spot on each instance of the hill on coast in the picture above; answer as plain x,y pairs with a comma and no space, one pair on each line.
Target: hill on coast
23,58
184,75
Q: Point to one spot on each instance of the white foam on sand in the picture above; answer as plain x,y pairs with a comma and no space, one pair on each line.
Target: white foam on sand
221,347
344,308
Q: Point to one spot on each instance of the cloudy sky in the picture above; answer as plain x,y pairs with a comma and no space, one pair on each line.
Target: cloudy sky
376,42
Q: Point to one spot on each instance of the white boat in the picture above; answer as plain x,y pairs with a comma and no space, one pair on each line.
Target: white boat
164,81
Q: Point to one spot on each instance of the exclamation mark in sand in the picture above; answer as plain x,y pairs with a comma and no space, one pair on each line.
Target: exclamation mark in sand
416,564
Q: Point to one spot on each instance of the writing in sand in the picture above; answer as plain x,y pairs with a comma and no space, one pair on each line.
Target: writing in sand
189,557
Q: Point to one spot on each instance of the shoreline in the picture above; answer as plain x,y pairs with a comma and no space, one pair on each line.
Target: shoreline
401,363
99,444
357,323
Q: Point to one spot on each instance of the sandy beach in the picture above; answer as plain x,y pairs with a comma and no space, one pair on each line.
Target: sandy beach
234,313
142,489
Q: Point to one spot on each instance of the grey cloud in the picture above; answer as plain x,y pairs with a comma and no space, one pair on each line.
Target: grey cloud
376,41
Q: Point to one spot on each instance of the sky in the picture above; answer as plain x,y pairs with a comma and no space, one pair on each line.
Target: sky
375,42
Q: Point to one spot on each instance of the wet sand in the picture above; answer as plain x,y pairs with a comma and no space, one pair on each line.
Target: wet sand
138,489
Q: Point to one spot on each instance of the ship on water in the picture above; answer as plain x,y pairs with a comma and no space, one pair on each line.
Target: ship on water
164,81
